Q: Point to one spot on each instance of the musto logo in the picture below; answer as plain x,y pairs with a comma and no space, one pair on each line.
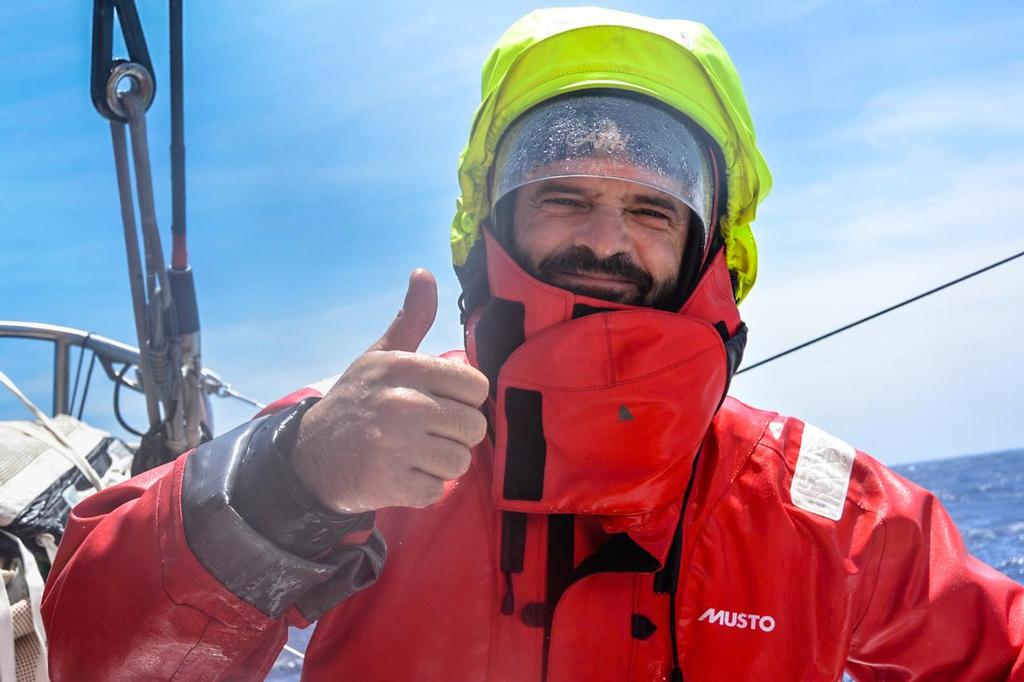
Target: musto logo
743,621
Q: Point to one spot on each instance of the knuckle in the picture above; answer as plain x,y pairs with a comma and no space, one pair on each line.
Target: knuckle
426,492
371,365
454,461
402,366
461,462
397,400
478,429
478,386
469,425
400,361
376,443
461,422
434,490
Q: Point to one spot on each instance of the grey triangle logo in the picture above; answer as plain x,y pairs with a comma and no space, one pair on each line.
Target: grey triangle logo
624,414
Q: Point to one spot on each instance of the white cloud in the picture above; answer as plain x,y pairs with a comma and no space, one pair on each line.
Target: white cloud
934,195
988,103
933,164
920,201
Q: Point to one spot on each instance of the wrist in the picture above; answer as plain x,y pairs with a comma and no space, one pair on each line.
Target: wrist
272,498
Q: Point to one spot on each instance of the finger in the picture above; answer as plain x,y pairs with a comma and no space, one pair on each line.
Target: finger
416,316
411,414
421,489
443,458
438,377
456,422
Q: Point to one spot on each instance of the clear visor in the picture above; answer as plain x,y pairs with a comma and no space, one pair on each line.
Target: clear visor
620,136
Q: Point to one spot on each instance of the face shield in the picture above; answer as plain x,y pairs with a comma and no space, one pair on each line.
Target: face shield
616,135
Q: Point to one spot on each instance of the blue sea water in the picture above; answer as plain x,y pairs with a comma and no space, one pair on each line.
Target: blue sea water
983,493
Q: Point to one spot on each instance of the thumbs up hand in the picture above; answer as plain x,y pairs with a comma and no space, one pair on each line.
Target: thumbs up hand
397,424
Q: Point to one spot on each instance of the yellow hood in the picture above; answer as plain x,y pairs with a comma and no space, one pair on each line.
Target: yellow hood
681,63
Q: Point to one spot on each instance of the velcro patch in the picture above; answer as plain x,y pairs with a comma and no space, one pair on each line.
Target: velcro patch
822,474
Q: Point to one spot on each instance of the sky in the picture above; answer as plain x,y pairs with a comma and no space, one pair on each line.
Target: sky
322,141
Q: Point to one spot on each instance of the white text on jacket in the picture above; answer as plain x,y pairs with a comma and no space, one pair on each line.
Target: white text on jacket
743,621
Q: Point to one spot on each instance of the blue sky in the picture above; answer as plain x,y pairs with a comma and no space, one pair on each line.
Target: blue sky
322,140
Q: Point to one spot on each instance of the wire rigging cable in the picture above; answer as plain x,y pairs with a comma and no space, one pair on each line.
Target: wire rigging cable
118,382
88,380
163,298
908,301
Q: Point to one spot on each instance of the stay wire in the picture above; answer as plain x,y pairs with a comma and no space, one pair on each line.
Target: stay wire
891,308
117,402
88,380
78,374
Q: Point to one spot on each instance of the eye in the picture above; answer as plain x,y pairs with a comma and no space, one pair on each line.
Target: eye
563,201
652,215
563,205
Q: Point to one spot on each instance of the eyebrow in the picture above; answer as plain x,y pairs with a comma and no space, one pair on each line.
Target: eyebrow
555,186
655,201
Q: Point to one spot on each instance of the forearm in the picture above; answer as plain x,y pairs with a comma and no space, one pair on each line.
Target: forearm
936,612
126,599
251,523
161,575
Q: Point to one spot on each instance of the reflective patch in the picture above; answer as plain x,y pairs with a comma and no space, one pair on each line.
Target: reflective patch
822,474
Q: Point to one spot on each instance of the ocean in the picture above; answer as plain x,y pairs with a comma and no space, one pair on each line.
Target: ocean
983,493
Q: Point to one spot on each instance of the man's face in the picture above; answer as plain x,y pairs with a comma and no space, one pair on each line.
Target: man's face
600,237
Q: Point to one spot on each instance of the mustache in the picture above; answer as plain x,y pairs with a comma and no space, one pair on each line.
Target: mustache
579,260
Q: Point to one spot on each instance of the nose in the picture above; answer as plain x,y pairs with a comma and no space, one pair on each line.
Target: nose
604,232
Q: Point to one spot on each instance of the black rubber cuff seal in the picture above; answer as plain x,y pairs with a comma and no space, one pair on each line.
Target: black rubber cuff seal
250,565
272,499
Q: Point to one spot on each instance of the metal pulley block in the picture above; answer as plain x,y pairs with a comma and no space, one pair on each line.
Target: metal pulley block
103,61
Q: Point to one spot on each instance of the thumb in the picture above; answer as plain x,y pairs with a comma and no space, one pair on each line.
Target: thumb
416,316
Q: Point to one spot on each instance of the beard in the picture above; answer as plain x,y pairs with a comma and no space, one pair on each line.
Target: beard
579,260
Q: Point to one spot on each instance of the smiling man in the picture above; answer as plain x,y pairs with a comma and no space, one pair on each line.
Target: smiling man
607,194
601,238
574,496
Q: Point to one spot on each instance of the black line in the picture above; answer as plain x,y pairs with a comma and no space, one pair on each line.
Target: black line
117,402
88,380
177,119
881,312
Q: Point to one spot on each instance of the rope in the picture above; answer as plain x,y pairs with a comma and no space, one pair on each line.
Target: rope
34,582
891,308
60,443
8,671
295,652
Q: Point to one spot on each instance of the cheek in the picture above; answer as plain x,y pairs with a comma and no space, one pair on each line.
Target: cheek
660,253
535,241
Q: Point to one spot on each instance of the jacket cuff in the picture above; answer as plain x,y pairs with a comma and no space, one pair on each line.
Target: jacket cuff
255,568
272,499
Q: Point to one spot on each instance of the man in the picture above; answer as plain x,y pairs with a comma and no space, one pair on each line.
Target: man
609,514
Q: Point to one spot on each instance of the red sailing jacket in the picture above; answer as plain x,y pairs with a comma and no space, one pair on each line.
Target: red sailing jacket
619,524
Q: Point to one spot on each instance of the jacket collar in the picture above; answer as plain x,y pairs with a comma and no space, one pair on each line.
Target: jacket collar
599,408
